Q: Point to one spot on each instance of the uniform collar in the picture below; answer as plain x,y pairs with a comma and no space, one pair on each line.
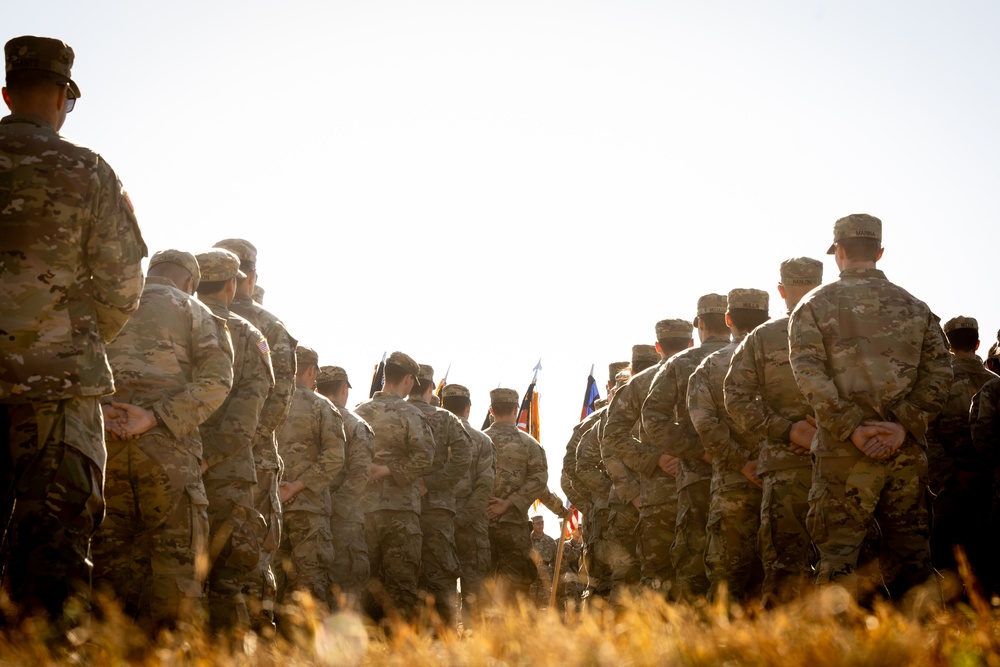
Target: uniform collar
861,273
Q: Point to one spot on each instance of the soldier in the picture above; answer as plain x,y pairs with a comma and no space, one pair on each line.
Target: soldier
665,419
70,276
472,540
262,588
731,557
621,434
404,451
961,477
872,361
350,568
236,528
311,442
521,473
452,456
544,549
763,400
985,427
173,369
571,586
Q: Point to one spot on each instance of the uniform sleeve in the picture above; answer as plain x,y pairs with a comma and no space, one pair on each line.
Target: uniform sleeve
618,443
535,480
807,356
282,351
211,377
589,467
706,415
419,453
567,477
332,444
984,420
930,392
114,254
744,398
552,502
484,472
359,448
459,448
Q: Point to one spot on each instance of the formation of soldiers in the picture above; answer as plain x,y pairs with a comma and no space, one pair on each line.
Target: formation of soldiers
165,438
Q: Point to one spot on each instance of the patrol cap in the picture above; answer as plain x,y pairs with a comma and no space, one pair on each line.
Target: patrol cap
538,518
246,251
614,367
426,373
671,329
747,298
856,226
40,53
332,374
801,271
435,401
306,356
179,257
501,395
710,303
622,378
600,403
455,390
405,362
219,264
644,354
258,293
961,322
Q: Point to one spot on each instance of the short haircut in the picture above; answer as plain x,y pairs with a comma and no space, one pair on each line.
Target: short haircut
963,340
714,323
421,386
22,81
672,346
395,374
331,387
503,409
861,249
211,286
747,319
456,404
640,366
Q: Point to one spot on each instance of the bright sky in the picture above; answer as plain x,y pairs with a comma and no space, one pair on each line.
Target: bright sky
485,183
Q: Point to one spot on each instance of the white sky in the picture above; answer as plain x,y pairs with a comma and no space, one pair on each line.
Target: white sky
485,183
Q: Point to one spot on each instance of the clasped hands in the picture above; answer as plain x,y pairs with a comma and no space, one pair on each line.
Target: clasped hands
126,421
879,439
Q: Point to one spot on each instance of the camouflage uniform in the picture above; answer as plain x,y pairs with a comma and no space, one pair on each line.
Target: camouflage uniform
261,587
236,528
571,586
439,567
404,443
985,417
521,474
172,359
862,348
311,442
594,479
70,276
543,548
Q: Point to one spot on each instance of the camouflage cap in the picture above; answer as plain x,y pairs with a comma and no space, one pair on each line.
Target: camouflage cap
501,395
258,293
306,356
600,403
179,257
538,518
644,354
747,298
668,329
405,362
246,251
455,390
435,401
332,374
857,225
219,264
42,53
614,367
994,352
801,271
426,373
961,322
622,378
710,303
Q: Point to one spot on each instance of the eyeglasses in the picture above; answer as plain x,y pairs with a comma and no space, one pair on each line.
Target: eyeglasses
70,98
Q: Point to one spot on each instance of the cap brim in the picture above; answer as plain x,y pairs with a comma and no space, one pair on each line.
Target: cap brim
833,249
695,321
349,385
240,275
75,88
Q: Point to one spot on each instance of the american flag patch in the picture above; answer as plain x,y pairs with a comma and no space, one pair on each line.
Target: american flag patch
262,346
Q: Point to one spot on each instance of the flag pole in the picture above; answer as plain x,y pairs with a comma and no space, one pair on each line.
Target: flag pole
559,555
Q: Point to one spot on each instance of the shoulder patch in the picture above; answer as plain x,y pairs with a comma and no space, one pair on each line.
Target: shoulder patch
262,346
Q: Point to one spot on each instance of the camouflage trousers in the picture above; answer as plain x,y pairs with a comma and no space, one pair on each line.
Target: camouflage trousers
960,512
154,540
597,552
540,590
350,569
690,539
511,562
657,526
786,549
53,502
394,545
622,556
303,561
261,588
438,561
849,493
236,532
472,543
731,557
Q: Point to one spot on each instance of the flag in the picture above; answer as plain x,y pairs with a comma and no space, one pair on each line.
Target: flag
527,416
488,421
378,379
589,396
442,383
571,523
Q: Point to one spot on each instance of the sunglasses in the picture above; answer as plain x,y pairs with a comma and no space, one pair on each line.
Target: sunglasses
70,98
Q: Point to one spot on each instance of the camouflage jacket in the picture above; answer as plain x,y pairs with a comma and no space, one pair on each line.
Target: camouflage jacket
522,471
570,483
949,439
762,397
70,274
403,442
349,484
472,493
590,470
452,456
171,357
545,547
863,348
624,440
228,433
282,349
553,502
311,442
729,446
665,415
985,417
